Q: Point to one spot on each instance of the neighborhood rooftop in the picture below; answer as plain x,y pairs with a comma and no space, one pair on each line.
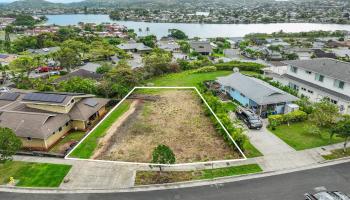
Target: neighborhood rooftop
325,66
257,90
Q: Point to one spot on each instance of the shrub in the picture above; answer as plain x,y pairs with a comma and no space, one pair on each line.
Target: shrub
205,69
312,129
295,116
242,66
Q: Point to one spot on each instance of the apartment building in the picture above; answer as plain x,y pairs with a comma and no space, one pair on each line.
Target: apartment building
319,79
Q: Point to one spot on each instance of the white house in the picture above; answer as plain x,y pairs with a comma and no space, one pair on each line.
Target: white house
321,78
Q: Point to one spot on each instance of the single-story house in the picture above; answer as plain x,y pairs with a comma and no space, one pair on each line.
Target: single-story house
44,51
41,119
170,46
82,73
91,67
255,94
202,47
134,47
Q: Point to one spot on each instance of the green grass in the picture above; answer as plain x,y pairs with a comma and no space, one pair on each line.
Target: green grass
250,73
74,136
337,153
33,174
229,106
230,171
187,78
296,137
88,146
250,151
153,177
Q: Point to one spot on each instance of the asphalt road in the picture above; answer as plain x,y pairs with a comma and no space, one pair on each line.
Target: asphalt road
290,186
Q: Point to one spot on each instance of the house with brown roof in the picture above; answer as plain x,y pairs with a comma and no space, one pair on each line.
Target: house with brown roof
40,119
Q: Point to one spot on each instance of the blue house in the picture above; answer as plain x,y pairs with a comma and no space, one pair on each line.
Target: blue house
255,93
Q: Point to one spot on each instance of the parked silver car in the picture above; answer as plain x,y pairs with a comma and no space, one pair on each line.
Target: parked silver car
327,195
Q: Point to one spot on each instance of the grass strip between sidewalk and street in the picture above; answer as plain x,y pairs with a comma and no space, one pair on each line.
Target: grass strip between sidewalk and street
86,149
33,174
153,177
337,153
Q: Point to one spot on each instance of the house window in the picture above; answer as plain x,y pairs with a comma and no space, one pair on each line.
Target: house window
29,138
53,133
308,72
293,69
339,84
67,123
303,89
310,91
319,77
333,101
60,129
293,86
242,95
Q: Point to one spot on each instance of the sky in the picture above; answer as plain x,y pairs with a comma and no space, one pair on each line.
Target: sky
56,1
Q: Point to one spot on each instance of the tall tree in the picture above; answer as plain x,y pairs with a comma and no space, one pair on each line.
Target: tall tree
342,129
325,114
8,31
26,64
68,58
9,144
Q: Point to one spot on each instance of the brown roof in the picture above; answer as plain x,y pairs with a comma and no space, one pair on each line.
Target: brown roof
33,125
82,110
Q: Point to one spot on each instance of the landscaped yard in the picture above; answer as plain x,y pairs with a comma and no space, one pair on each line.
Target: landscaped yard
33,174
63,144
338,153
296,136
88,146
174,117
152,177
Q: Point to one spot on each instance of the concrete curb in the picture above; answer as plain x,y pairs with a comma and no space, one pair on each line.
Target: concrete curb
217,181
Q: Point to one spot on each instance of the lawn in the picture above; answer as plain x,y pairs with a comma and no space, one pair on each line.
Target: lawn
88,146
33,174
152,177
187,78
338,153
296,137
63,144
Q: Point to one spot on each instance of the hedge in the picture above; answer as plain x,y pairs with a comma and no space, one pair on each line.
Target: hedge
205,69
242,66
295,116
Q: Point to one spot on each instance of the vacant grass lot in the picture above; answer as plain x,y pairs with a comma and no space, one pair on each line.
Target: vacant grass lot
152,177
33,174
296,137
64,143
175,118
88,146
189,79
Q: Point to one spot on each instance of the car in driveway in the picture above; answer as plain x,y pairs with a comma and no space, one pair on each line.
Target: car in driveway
327,195
251,119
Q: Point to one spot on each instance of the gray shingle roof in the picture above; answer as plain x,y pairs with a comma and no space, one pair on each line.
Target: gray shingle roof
131,46
257,90
201,46
82,110
329,67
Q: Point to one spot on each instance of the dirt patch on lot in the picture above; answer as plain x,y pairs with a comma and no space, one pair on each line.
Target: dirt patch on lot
176,118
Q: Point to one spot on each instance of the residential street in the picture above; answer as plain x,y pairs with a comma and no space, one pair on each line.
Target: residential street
290,186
